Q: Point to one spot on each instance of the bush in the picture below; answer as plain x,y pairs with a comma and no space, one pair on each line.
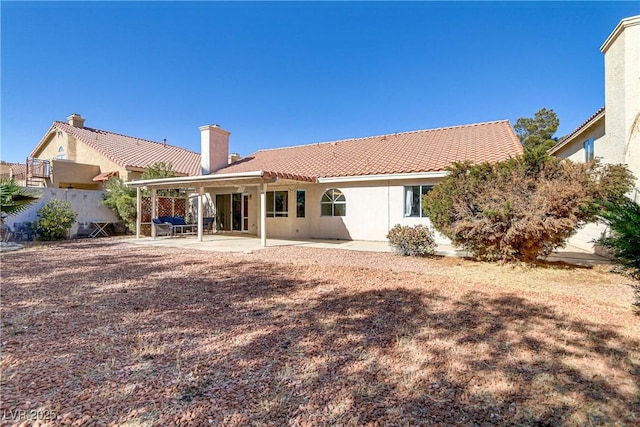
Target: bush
523,207
623,219
54,220
412,241
122,200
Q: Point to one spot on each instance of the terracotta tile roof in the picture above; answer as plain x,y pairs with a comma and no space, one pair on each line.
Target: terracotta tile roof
16,168
430,150
131,152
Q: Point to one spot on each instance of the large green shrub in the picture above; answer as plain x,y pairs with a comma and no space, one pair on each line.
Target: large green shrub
523,207
623,219
54,220
122,199
412,241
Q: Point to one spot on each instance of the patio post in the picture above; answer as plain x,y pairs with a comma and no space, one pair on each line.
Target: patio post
153,211
200,212
263,214
138,212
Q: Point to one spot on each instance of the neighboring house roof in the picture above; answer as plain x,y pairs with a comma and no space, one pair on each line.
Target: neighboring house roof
15,169
430,150
130,152
595,117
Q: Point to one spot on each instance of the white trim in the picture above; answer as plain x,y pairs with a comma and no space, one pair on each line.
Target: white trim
625,23
195,179
587,126
390,177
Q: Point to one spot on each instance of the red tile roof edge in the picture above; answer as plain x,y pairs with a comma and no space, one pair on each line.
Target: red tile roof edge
104,152
577,130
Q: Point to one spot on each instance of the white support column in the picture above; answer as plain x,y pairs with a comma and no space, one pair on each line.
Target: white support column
200,213
263,215
153,212
138,212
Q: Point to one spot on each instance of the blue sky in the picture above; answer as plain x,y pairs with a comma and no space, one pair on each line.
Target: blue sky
277,74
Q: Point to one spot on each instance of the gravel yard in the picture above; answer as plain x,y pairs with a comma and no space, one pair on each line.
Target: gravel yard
104,332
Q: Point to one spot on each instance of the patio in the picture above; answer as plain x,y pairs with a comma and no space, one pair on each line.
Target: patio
236,242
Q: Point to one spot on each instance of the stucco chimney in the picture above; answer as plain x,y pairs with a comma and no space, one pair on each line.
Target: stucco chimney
234,157
76,120
214,148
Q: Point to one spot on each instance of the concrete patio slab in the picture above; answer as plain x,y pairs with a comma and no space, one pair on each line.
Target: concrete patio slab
248,243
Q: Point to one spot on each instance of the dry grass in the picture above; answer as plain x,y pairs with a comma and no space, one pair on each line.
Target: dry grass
107,332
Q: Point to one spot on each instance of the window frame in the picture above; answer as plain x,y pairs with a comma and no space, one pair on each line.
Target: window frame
340,200
271,207
301,206
588,146
423,190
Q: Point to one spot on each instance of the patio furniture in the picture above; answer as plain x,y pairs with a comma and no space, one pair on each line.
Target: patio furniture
208,223
99,227
162,228
178,224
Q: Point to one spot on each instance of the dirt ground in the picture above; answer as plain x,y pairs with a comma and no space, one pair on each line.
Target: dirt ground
105,332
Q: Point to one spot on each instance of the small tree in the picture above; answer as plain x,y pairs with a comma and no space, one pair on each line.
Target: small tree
122,199
54,220
623,219
14,198
513,210
537,133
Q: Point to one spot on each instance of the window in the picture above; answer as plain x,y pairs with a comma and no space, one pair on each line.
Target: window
277,204
61,155
588,150
333,203
300,203
413,199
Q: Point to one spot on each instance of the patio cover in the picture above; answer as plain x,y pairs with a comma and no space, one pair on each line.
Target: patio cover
199,182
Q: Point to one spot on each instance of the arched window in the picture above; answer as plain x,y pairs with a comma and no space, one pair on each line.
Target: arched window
333,203
61,154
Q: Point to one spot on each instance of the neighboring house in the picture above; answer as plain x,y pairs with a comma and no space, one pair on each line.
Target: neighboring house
13,170
71,155
612,134
347,189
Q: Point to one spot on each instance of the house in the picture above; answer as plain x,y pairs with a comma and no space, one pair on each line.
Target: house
348,189
15,171
612,133
71,155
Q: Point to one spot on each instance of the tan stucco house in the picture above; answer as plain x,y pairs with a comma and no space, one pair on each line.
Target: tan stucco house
355,189
612,133
71,155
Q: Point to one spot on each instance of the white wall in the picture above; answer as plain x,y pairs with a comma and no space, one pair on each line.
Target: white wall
622,96
86,203
372,209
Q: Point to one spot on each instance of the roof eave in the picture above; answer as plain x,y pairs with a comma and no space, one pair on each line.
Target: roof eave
575,134
43,141
383,177
627,22
196,179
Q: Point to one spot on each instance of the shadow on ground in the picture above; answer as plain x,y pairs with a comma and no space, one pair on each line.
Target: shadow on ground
140,335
